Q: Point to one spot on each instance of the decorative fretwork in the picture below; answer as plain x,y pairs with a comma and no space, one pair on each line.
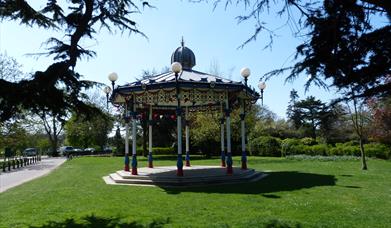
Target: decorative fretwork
192,96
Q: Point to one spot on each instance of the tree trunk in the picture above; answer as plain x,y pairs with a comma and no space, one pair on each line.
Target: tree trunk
363,159
55,138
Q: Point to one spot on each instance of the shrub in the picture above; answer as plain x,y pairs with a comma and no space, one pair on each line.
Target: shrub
308,141
321,158
320,149
377,150
288,146
351,143
266,146
342,149
159,150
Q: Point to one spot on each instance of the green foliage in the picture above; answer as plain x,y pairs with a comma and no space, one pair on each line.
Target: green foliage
378,150
204,133
351,148
341,149
59,88
288,146
322,158
87,131
308,141
159,150
267,124
266,146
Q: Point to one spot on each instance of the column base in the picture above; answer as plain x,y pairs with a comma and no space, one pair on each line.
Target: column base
223,159
134,164
244,165
134,171
244,160
223,163
150,160
230,170
179,172
126,168
187,159
188,163
179,165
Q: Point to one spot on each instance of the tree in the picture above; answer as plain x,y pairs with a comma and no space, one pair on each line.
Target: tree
86,131
381,115
78,20
204,132
13,136
118,142
10,69
360,118
53,125
291,112
345,46
311,113
336,126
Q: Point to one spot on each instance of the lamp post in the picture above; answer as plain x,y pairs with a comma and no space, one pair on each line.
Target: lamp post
245,72
262,86
107,91
113,77
176,68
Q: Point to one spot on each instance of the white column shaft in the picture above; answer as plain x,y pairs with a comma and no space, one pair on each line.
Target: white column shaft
187,132
228,119
150,130
243,131
134,131
126,138
222,136
179,128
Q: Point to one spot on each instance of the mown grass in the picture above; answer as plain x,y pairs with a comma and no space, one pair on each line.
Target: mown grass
295,194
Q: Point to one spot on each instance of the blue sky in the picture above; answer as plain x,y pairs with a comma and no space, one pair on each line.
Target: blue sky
212,35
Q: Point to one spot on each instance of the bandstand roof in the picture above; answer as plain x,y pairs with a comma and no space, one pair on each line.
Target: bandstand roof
196,89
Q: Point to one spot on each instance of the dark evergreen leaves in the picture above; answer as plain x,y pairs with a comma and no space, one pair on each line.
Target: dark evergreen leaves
21,10
58,89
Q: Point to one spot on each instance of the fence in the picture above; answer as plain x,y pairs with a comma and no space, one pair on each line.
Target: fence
18,162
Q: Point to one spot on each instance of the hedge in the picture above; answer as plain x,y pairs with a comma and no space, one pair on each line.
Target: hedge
266,146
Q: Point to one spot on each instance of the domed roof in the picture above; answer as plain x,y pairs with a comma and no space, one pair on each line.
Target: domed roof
185,56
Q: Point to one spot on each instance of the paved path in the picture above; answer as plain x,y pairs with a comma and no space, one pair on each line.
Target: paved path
19,176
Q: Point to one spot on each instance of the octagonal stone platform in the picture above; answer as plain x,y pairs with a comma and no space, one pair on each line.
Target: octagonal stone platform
165,176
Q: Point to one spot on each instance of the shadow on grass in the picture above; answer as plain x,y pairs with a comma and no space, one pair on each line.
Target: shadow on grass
93,221
274,182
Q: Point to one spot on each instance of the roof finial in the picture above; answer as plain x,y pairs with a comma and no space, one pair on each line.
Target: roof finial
182,42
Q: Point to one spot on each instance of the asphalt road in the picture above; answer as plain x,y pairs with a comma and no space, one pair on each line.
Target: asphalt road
19,176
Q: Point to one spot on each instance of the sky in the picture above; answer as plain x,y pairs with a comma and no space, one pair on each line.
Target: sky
213,34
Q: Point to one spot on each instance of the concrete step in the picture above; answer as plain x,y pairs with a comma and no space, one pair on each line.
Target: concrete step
183,181
188,175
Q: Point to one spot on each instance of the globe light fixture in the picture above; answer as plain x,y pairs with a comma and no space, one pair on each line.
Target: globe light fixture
176,67
262,86
245,72
107,91
113,77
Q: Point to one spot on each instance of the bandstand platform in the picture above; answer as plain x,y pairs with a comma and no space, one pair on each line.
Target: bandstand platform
164,176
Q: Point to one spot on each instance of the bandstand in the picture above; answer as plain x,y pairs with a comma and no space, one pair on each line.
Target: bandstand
182,91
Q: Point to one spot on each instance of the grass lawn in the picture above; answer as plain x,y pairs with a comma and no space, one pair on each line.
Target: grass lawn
295,194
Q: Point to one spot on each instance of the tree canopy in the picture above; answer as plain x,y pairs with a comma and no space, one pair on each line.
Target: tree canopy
59,88
345,46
